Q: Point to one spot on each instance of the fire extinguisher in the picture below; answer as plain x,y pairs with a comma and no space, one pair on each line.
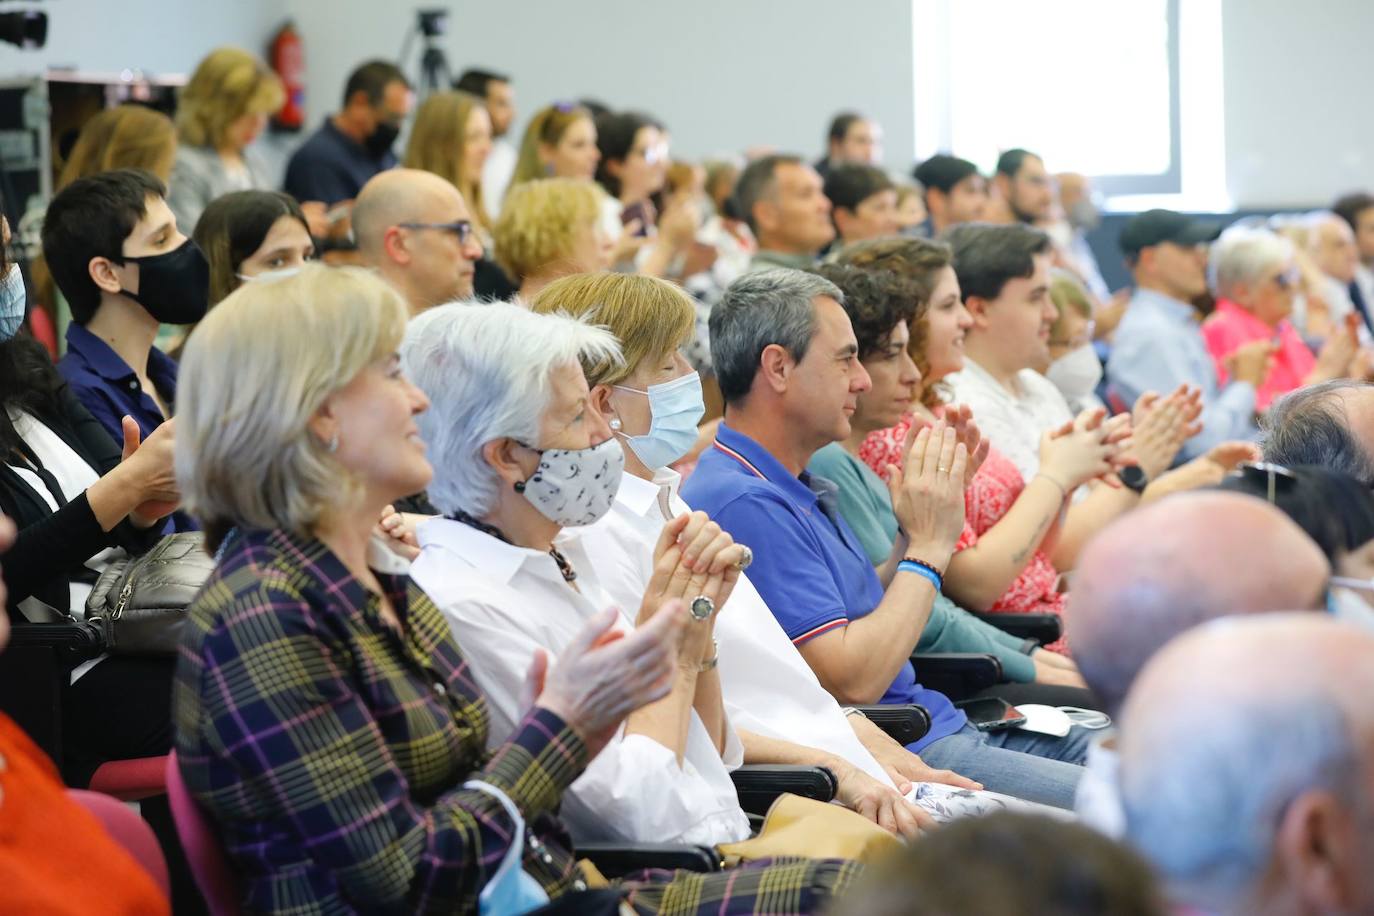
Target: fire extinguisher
287,56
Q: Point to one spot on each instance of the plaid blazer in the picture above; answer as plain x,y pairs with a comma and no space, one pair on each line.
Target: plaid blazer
330,750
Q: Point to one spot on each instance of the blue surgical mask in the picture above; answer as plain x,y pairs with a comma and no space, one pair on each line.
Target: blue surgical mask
12,303
510,891
676,407
267,276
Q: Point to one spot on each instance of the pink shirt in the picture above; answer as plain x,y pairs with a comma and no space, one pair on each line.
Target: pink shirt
1230,327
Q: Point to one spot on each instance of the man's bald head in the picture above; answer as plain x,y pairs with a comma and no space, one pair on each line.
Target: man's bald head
1246,763
1330,425
1177,563
402,196
1331,243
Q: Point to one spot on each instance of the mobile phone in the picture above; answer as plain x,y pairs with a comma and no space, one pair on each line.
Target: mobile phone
991,714
641,211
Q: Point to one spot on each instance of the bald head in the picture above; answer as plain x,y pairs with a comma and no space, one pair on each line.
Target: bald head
1246,756
1331,242
404,222
1330,425
1175,564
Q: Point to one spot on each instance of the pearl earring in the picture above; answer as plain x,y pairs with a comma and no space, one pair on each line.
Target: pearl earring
333,444
615,424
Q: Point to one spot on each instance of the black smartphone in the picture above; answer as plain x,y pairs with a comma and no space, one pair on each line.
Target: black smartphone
991,714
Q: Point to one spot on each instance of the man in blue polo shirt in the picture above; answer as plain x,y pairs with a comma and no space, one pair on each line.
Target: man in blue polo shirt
350,147
787,362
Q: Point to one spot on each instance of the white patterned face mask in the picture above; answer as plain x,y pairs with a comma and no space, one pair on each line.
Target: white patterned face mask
575,487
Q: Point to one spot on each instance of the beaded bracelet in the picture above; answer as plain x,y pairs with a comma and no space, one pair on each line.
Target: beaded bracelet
923,569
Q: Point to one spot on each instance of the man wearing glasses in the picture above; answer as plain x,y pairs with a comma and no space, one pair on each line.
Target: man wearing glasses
414,229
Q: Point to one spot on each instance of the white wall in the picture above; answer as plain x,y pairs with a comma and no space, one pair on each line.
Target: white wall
723,74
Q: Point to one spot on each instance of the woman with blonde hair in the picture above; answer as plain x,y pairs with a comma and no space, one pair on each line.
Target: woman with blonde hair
560,142
222,110
452,139
551,228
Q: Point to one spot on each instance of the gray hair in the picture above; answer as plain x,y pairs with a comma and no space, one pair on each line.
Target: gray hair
1205,806
760,309
485,369
1244,255
1310,426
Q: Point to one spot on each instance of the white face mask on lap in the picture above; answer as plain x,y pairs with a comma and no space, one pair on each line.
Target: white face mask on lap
1076,373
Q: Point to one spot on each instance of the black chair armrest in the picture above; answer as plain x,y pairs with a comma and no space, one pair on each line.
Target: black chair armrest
1043,628
615,860
904,724
33,670
957,674
759,785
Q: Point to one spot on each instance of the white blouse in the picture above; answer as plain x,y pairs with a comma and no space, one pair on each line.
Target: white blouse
504,602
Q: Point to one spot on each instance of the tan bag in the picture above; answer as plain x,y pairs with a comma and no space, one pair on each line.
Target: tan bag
797,826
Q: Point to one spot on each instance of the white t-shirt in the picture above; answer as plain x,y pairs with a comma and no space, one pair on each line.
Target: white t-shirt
1012,423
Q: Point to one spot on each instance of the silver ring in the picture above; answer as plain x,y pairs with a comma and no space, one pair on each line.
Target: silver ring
942,470
702,608
746,558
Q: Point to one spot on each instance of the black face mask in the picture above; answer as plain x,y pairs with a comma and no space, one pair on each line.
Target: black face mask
379,142
173,287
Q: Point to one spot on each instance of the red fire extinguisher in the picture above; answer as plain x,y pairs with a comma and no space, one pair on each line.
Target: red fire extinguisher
287,57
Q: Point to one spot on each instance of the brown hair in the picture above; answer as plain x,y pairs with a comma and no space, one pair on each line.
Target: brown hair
226,85
124,137
546,128
438,144
920,262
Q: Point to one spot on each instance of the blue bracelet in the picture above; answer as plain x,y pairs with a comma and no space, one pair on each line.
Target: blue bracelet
935,578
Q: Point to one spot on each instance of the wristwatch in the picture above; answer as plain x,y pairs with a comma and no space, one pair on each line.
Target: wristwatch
1133,478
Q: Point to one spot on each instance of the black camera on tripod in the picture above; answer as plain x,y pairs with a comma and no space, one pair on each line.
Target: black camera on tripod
26,29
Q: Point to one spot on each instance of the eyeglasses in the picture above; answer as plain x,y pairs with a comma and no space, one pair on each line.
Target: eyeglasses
1287,279
1275,477
462,228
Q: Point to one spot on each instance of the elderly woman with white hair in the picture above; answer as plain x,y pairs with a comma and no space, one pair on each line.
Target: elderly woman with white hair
1255,280
523,462
326,719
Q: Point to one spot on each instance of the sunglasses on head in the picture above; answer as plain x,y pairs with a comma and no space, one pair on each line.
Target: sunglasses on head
1274,477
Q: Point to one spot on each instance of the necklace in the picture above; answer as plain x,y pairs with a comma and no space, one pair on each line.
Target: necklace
564,567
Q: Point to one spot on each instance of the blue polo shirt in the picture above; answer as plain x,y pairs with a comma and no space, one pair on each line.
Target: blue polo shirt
808,565
108,387
331,166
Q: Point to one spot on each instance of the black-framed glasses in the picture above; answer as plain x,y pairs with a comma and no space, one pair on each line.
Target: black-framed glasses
1275,477
462,228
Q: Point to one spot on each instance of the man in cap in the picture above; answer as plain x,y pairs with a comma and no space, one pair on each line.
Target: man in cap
1159,344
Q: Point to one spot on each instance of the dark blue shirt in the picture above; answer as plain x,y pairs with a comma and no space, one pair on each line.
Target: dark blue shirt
808,565
331,166
108,387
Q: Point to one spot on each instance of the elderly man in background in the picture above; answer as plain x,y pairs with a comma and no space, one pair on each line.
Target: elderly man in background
1331,425
783,201
1225,553
1331,245
1264,802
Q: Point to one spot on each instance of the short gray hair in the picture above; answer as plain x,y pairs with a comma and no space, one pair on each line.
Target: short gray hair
1310,426
760,309
1204,808
1244,255
485,369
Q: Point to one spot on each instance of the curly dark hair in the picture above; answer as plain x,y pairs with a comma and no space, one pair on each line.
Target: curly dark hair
875,300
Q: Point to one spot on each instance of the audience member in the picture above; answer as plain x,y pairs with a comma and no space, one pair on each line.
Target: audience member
551,228
1357,209
452,138
1331,245
863,202
786,359
415,229
1080,216
783,201
852,138
651,402
248,235
881,305
1261,804
1330,425
1023,192
1255,278
1158,346
955,191
222,110
41,816
117,254
559,142
1332,508
350,147
76,503
911,209
1075,368
1226,554
498,94
326,719
1012,865
725,229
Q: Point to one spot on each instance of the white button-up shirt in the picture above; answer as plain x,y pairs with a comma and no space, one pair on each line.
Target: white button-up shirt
1013,423
504,602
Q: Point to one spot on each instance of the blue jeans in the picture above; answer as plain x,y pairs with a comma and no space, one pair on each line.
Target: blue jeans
1027,765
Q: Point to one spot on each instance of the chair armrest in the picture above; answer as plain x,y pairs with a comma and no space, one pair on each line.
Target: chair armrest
1043,628
904,724
615,860
759,785
957,674
33,671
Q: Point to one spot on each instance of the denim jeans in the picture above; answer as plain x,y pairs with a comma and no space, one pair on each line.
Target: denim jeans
1028,765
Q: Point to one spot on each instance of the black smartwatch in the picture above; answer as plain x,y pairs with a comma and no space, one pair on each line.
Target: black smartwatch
1133,478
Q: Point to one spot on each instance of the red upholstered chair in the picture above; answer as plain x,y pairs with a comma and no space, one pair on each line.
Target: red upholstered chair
128,830
203,849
